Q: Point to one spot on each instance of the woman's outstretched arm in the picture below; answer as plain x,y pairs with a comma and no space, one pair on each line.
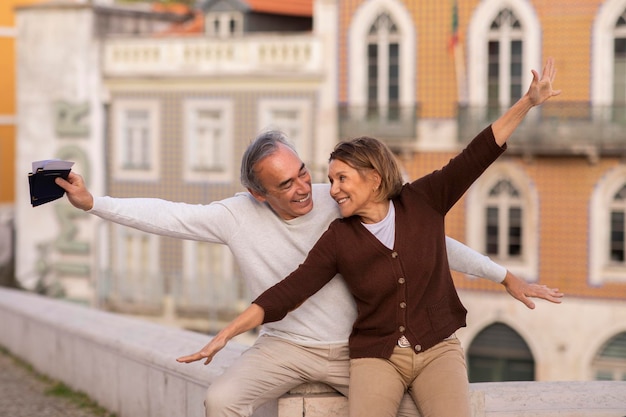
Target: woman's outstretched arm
248,320
540,90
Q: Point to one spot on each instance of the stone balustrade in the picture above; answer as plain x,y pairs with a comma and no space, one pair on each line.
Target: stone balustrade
272,55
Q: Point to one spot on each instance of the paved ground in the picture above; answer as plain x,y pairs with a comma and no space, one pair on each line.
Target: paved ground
23,393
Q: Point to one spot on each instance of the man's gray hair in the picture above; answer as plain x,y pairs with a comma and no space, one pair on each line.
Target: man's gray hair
264,145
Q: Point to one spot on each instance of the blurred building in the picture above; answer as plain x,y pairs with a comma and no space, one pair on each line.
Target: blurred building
161,103
7,138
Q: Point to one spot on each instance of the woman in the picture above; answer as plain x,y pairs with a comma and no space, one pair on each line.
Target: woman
390,249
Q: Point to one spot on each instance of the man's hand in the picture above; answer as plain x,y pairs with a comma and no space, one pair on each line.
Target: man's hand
76,191
521,290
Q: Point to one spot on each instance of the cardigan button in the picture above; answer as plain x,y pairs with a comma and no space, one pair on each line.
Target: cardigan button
402,329
418,348
394,255
403,305
401,280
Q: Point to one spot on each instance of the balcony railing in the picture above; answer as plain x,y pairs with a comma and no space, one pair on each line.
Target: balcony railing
396,125
269,55
556,128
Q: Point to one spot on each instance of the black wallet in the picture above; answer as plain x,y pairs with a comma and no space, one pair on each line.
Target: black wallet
43,189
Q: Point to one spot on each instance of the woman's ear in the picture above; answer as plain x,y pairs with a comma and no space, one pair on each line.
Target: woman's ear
376,179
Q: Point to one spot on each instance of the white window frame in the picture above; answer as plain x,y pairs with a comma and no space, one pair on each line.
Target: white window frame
303,109
527,265
382,39
478,38
504,36
119,111
602,53
363,19
225,172
601,269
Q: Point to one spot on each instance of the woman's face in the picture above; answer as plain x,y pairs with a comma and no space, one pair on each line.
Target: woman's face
354,192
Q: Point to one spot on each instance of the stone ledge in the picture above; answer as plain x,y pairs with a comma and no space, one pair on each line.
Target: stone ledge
491,399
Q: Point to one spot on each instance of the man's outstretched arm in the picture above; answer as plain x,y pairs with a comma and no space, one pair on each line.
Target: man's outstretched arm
462,258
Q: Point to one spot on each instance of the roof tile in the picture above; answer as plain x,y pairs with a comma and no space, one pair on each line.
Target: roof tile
287,7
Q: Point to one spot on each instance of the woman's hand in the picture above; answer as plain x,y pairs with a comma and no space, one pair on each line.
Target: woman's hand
249,319
540,89
207,352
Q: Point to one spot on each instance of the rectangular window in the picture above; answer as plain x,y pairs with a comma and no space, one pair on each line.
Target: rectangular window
394,81
619,76
619,81
515,232
209,140
492,232
516,71
617,236
136,139
493,79
372,75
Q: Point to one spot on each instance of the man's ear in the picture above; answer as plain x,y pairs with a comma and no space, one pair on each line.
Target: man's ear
257,196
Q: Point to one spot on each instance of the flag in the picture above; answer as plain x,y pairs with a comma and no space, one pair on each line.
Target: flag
454,34
457,55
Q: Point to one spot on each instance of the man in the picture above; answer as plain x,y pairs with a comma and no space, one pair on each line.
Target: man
270,230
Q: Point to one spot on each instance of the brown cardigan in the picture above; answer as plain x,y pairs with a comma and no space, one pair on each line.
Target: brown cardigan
405,291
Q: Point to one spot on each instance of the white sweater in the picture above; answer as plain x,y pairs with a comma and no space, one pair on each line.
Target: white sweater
268,248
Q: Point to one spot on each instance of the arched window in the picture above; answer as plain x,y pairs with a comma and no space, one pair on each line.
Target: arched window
503,44
382,45
383,67
503,218
499,353
610,362
607,228
503,221
608,60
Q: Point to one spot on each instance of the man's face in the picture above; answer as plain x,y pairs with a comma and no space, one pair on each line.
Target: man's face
287,183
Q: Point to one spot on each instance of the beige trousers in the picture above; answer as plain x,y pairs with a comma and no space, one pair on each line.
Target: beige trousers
273,366
436,379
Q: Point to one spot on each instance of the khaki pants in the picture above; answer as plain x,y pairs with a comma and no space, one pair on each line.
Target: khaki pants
436,379
273,366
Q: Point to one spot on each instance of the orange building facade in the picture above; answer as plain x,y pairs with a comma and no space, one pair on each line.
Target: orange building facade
550,209
564,181
7,98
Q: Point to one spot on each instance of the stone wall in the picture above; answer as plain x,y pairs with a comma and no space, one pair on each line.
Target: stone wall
127,365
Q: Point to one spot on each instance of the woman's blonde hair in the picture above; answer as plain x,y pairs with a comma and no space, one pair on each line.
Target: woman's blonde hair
365,153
